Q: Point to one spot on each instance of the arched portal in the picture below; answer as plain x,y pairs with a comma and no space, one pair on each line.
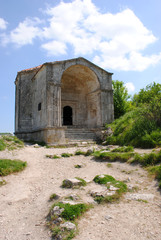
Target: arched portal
80,89
67,115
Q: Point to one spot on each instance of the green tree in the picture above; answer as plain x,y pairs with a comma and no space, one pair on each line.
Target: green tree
147,94
120,97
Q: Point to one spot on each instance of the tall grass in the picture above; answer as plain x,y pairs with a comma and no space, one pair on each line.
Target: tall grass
137,128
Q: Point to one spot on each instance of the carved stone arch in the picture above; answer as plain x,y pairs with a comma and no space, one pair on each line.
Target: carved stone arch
80,89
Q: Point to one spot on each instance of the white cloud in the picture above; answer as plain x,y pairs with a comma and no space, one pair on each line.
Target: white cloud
130,87
3,24
24,34
55,48
116,41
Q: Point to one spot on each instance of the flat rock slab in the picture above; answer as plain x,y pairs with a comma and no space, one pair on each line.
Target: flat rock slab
70,183
68,225
139,196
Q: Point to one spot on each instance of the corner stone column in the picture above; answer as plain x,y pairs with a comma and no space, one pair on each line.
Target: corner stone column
57,105
54,105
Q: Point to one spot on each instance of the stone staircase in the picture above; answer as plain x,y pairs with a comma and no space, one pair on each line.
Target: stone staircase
80,134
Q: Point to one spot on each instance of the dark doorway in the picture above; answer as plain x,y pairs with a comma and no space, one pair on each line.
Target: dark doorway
67,116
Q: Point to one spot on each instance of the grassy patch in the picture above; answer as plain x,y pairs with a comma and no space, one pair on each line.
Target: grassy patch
65,155
2,182
156,172
109,165
110,181
113,156
53,196
52,156
142,200
148,159
87,153
10,142
137,128
123,149
78,166
8,166
72,212
68,213
83,182
79,152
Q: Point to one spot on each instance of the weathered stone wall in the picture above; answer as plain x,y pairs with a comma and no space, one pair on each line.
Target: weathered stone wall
24,93
39,100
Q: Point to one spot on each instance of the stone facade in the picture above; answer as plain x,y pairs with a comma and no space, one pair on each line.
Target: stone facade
59,95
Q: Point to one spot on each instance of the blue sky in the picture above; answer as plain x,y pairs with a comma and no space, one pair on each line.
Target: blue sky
122,36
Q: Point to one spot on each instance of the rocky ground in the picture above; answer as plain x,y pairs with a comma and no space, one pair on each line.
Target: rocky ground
24,200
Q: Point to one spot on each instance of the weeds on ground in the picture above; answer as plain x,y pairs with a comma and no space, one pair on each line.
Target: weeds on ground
87,153
147,159
156,172
2,182
78,166
52,156
83,182
109,181
53,196
68,213
109,165
123,149
68,184
113,156
8,166
66,155
10,142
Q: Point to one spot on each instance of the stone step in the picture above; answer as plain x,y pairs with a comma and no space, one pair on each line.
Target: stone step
80,134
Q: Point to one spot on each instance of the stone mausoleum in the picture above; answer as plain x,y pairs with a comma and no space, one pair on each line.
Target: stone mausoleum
63,101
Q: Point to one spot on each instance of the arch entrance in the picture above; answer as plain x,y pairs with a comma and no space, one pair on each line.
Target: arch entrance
67,116
80,97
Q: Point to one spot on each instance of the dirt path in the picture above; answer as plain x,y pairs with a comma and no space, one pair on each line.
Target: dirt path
24,199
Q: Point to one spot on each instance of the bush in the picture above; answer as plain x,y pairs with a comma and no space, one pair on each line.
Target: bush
137,128
8,166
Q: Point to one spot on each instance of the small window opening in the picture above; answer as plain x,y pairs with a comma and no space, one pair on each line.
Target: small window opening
39,107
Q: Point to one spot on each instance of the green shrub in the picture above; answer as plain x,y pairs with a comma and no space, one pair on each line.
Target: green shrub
8,166
137,128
